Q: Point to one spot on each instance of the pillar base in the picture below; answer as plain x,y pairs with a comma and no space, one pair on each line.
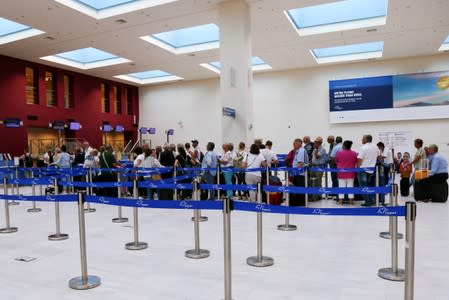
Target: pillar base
287,227
136,246
34,210
202,219
58,237
119,220
388,274
263,261
387,235
201,253
9,230
80,283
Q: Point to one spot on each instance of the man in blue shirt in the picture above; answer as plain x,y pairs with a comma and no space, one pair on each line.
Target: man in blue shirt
300,161
438,165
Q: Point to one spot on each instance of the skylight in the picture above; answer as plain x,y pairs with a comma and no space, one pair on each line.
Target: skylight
258,64
338,16
86,58
445,45
147,77
187,40
348,52
11,31
100,9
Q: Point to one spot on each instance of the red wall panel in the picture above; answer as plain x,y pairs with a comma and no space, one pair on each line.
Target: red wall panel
87,104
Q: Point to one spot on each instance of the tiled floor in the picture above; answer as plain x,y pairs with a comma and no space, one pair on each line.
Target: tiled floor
327,258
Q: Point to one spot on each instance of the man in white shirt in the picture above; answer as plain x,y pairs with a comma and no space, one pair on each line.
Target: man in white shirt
367,158
270,157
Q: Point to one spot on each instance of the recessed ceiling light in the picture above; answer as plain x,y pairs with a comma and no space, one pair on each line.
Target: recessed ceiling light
338,16
11,31
148,77
258,64
348,52
445,45
186,40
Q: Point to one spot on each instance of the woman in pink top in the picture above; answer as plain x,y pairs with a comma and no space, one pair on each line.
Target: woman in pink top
346,159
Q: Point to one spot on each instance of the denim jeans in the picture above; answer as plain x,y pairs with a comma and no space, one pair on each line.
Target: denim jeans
367,179
210,179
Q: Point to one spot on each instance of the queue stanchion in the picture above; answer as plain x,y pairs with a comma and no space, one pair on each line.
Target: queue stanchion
218,180
377,174
287,226
34,208
268,183
58,236
90,188
202,218
8,228
14,202
326,182
259,260
410,220
393,273
120,218
175,192
136,245
196,253
227,208
306,185
84,281
393,202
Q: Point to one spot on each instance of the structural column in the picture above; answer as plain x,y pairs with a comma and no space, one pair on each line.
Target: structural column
236,78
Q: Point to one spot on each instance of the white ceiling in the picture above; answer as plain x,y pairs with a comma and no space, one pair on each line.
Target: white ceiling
414,28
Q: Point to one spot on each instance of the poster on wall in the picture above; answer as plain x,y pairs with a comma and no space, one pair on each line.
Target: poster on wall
400,141
388,98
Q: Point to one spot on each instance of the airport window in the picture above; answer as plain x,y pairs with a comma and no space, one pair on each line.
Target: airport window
129,103
116,93
68,91
104,90
50,89
31,86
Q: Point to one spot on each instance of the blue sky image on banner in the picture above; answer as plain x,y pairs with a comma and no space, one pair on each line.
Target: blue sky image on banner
425,89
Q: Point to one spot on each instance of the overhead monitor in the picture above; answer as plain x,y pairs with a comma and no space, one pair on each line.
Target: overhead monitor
74,126
58,125
119,128
143,130
12,123
107,128
152,130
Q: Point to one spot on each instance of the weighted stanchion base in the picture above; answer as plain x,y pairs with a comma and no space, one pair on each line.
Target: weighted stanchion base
14,203
388,274
34,209
119,220
8,230
58,237
136,246
387,235
80,283
201,253
89,210
285,227
264,261
202,219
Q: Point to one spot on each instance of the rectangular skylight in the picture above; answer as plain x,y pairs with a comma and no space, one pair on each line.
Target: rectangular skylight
348,52
147,77
445,45
86,58
338,16
100,9
187,40
11,31
258,64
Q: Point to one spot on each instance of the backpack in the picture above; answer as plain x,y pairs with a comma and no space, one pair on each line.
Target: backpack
237,161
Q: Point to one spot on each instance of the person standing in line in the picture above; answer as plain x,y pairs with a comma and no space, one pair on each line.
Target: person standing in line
367,158
405,169
210,161
332,164
226,161
254,160
420,160
346,159
300,160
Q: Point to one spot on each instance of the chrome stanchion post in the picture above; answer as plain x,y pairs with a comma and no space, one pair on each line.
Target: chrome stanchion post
119,219
218,180
85,281
227,248
393,202
268,183
136,245
326,182
287,226
14,202
306,184
259,260
393,273
377,184
8,228
90,188
175,192
58,236
202,218
197,252
34,208
410,220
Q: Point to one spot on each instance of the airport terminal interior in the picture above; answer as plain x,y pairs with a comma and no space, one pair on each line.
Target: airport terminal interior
350,97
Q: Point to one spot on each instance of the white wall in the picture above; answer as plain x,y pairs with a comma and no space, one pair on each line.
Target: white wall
287,104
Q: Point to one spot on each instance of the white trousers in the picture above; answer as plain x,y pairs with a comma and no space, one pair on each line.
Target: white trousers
342,183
